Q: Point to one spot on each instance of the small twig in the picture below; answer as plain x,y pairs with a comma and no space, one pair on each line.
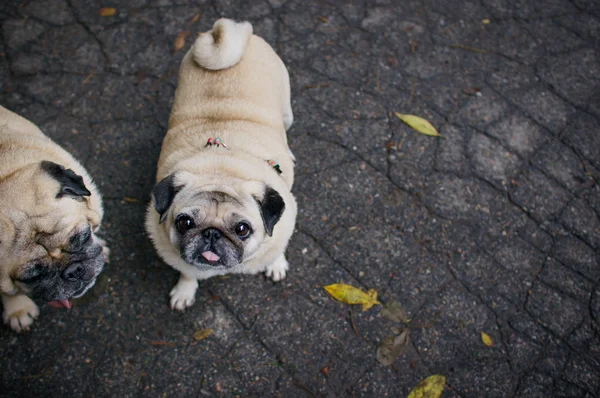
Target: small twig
352,323
318,85
466,48
131,200
87,78
354,327
162,343
413,46
139,379
45,373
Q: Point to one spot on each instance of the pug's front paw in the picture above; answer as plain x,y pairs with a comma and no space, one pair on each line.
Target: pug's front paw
183,294
278,270
19,312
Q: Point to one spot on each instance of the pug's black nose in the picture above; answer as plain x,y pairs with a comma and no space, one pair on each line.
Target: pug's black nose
74,272
211,234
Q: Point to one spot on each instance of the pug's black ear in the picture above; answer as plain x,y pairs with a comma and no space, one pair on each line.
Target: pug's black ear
71,184
271,209
163,194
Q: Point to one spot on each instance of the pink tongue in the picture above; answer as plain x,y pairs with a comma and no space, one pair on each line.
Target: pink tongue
210,256
60,303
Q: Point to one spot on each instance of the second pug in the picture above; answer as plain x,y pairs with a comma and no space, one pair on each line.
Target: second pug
223,201
49,211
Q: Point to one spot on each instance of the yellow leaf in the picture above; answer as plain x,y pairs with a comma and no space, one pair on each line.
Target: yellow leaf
108,11
487,340
130,200
202,334
351,295
431,387
180,41
485,21
372,293
419,124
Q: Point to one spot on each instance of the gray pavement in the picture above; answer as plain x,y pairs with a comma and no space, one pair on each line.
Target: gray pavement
494,228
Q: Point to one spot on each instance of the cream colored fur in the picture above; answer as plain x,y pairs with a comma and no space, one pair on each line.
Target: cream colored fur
28,207
246,105
223,46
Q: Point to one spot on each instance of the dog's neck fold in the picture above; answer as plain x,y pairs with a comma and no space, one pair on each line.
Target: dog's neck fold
217,142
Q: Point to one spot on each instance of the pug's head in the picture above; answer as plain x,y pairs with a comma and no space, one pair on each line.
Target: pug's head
47,245
220,224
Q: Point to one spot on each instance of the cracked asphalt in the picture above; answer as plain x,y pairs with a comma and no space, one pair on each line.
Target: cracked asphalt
493,228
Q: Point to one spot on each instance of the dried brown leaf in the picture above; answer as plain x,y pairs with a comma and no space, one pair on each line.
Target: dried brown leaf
394,312
180,41
471,90
107,11
194,20
391,347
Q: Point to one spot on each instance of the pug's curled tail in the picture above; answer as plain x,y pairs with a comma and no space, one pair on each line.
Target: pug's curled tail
223,46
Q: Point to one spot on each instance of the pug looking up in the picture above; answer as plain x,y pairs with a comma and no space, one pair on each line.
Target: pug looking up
49,210
222,203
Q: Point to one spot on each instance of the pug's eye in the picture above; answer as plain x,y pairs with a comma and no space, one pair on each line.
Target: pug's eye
242,230
184,223
33,274
79,239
